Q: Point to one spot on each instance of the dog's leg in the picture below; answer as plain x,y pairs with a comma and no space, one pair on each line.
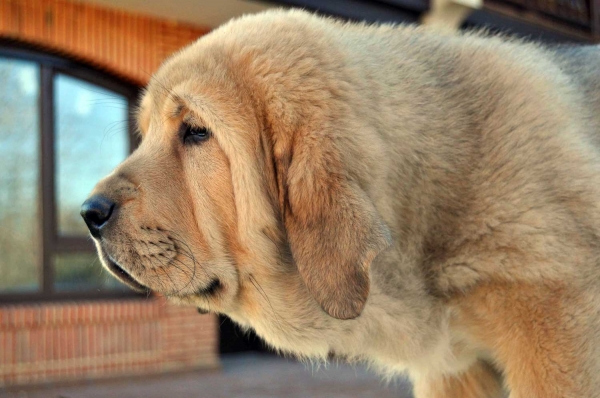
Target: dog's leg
537,334
479,381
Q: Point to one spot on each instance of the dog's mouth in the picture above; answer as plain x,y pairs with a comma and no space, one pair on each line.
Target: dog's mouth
123,275
213,287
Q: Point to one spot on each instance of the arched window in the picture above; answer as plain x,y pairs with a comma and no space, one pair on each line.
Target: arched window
63,126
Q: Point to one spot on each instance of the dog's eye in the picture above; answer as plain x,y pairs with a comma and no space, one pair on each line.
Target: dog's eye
193,135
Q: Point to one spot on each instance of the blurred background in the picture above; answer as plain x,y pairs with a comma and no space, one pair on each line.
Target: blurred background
70,74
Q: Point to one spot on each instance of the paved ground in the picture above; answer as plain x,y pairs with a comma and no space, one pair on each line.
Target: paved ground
247,376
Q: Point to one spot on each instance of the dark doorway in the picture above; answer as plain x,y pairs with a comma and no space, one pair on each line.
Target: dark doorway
232,339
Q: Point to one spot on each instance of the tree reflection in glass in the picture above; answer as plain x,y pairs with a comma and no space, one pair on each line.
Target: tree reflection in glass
19,176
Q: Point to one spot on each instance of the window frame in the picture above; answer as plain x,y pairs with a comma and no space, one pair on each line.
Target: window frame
49,239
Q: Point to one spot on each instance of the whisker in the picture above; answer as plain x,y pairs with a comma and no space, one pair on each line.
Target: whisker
187,252
165,265
261,291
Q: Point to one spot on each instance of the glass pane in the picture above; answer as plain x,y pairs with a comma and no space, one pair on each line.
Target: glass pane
19,166
82,272
91,140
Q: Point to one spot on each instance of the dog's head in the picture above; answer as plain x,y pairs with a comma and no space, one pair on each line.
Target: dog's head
252,176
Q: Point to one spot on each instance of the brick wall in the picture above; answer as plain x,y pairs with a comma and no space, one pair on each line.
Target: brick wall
59,342
130,45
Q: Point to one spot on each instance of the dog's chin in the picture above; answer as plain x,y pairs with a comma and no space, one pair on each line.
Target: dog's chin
122,275
210,289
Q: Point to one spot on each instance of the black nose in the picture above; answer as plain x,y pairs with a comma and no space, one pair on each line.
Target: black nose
96,211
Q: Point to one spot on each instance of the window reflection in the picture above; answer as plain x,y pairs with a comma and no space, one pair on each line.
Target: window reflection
91,140
19,173
82,272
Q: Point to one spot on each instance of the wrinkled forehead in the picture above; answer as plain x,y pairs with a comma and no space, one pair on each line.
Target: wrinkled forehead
144,112
211,75
170,99
180,78
164,90
207,94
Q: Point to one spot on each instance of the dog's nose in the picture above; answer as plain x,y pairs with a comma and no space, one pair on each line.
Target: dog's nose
96,212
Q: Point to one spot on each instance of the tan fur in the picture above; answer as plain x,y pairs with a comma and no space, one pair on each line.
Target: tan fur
424,202
480,380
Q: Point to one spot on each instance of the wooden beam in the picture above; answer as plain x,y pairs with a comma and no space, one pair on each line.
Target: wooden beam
449,14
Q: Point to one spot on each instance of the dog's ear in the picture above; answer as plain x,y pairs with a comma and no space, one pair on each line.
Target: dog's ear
332,226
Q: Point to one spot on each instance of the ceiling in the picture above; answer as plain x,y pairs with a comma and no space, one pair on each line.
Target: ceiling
211,13
208,13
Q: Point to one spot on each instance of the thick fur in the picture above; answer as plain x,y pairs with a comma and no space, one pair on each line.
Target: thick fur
428,203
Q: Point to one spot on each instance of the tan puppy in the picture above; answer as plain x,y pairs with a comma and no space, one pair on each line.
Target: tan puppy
426,203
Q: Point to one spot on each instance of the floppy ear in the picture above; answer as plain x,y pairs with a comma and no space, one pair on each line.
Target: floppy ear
332,226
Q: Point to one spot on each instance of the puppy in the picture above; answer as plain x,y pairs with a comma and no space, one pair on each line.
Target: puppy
427,203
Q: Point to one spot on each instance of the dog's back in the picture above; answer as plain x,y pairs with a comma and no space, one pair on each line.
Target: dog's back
582,64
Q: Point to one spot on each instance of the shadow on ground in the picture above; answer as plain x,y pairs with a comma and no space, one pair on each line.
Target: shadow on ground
247,376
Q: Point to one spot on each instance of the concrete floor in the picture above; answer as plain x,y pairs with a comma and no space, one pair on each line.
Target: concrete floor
247,376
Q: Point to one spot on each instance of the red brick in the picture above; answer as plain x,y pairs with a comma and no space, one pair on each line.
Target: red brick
4,319
90,334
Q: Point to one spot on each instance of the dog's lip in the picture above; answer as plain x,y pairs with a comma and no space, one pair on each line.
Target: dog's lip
211,288
124,276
